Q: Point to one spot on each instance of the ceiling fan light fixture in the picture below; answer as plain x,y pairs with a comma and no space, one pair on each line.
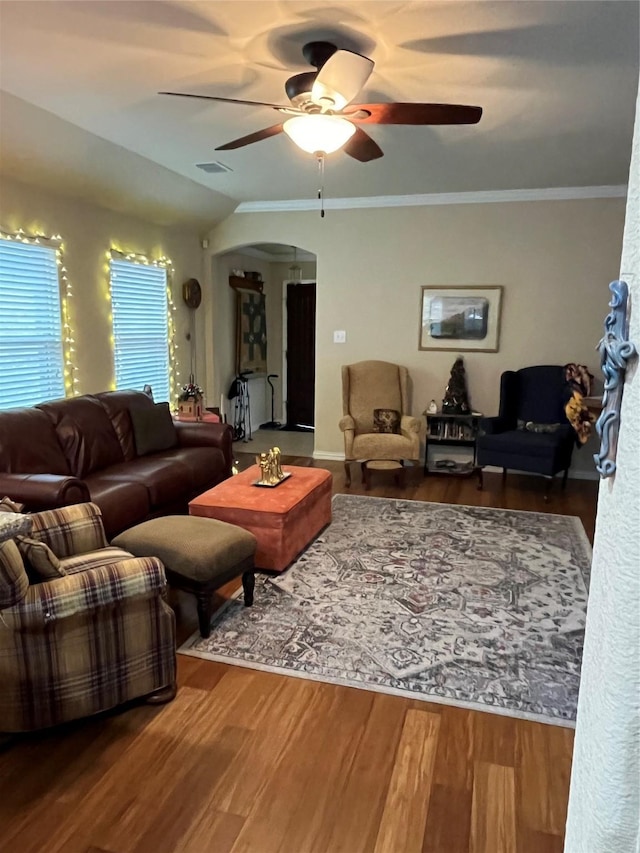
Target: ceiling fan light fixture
319,133
340,79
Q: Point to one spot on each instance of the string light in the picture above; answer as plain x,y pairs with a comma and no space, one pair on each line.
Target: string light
54,241
165,263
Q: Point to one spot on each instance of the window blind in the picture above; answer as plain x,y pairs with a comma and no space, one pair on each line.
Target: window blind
140,327
31,352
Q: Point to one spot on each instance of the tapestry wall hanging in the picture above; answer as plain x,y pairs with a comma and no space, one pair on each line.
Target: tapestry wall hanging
251,332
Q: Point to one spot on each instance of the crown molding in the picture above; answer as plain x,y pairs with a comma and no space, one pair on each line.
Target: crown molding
428,199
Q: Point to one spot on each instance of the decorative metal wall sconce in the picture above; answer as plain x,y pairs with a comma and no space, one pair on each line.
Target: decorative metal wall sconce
616,350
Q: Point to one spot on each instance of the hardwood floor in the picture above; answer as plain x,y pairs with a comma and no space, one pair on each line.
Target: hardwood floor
251,762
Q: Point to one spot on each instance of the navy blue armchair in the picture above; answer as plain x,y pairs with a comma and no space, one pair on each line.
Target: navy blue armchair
531,432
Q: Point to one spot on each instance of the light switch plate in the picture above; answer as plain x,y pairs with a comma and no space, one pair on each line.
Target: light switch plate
340,337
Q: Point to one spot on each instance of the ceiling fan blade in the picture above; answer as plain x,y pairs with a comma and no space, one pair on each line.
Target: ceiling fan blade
395,113
274,130
362,147
340,79
231,101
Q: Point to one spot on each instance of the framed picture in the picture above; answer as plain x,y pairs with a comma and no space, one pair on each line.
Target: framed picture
251,332
460,318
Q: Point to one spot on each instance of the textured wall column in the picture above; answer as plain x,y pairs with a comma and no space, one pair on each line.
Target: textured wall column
604,799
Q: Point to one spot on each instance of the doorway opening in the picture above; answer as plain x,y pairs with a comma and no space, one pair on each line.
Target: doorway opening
299,354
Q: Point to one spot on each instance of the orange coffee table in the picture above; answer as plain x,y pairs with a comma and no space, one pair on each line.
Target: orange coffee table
284,519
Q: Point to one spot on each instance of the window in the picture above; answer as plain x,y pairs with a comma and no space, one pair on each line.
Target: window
140,326
31,333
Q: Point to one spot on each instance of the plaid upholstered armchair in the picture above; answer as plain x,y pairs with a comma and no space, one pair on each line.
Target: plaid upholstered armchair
95,633
367,387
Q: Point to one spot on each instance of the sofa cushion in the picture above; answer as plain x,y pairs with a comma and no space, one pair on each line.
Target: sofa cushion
29,444
14,581
94,559
153,429
122,504
382,446
40,561
117,405
167,481
204,465
522,442
85,433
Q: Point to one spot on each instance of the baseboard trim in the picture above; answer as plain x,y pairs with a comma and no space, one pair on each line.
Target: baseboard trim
330,457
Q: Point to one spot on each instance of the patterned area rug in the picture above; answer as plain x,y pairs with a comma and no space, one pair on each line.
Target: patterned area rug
470,606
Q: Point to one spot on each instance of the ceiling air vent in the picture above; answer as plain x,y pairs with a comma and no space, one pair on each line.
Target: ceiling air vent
213,168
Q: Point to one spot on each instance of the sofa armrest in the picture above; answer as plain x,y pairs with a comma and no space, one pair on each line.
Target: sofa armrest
43,491
70,530
89,591
348,427
207,435
492,426
409,425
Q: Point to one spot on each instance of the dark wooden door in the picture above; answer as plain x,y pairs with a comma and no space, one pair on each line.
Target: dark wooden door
301,354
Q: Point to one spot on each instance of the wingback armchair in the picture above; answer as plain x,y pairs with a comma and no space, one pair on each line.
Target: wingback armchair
531,432
369,385
93,637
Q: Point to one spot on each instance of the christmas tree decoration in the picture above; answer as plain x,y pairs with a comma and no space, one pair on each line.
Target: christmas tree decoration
456,398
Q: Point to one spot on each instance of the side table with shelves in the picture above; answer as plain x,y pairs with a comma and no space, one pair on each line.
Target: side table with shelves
445,430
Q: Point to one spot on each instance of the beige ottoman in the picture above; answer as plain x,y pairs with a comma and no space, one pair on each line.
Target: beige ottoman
199,555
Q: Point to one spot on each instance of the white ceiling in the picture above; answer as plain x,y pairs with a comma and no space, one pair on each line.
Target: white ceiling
557,81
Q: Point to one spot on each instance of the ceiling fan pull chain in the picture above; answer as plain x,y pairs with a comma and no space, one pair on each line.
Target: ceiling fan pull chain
320,157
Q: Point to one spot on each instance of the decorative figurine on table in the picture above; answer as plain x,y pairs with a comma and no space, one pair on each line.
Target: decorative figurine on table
456,399
432,408
271,473
190,401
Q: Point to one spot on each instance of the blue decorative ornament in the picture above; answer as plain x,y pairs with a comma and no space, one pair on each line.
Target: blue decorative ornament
616,350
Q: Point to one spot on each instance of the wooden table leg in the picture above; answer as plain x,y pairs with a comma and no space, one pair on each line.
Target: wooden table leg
248,585
366,475
203,599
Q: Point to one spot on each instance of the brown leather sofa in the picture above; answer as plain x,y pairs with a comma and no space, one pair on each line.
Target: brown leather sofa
83,449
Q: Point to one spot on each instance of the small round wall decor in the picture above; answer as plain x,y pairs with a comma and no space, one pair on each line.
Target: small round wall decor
192,292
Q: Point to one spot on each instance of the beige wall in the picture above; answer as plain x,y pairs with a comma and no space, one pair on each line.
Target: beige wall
554,259
88,232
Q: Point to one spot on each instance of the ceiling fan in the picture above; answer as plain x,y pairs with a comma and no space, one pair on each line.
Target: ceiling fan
322,117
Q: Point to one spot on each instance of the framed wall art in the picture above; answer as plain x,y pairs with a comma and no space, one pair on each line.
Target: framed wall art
460,318
251,332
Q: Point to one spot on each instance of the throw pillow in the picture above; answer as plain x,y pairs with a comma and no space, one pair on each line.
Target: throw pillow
386,420
530,426
13,524
153,428
7,505
41,562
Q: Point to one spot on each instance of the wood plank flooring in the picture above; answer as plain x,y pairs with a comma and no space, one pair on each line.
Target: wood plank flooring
251,762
